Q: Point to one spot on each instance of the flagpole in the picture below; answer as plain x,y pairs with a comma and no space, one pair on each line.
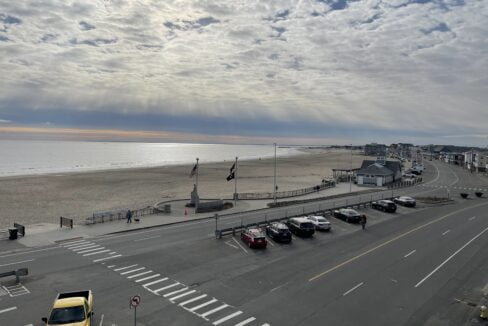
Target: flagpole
235,184
197,175
274,188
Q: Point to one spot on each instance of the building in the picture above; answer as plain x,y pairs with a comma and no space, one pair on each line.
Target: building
476,161
375,149
379,172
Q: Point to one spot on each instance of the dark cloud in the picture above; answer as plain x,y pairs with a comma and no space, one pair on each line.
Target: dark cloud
185,25
9,20
93,42
335,4
441,27
4,38
48,37
85,26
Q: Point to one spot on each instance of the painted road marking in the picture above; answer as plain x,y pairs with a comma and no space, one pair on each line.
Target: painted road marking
90,250
446,232
450,257
148,238
354,288
239,245
18,262
101,320
7,310
230,244
96,253
158,281
102,259
226,318
147,278
410,253
89,247
391,240
111,266
74,243
29,252
175,292
16,290
245,322
80,245
192,300
208,313
126,267
140,274
472,218
166,287
173,299
133,270
202,305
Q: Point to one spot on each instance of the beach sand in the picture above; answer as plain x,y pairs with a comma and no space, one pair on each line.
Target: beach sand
44,198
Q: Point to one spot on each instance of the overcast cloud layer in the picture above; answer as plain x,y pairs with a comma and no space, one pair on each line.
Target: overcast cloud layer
380,69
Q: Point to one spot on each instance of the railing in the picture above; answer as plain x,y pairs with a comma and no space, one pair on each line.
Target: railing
102,217
285,194
63,221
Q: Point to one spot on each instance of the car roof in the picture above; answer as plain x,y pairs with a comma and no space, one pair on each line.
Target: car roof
349,211
387,201
406,197
300,219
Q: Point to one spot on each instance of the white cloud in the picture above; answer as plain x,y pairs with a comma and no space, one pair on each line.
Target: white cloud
377,63
5,121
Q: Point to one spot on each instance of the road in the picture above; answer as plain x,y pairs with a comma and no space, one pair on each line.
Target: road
419,266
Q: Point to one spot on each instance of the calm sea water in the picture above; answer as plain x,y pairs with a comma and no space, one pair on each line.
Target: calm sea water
43,157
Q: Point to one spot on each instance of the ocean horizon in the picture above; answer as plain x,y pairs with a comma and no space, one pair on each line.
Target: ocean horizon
37,157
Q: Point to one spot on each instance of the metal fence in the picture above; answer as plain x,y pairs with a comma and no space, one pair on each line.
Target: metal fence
286,194
102,217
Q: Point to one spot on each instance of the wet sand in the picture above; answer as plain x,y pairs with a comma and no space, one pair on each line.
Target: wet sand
44,198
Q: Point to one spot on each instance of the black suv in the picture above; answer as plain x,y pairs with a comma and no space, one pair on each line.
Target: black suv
301,226
278,232
384,205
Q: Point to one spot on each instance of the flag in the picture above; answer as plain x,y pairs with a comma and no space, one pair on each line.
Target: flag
232,172
193,171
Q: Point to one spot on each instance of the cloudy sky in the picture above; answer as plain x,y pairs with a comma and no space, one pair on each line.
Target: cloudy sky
316,71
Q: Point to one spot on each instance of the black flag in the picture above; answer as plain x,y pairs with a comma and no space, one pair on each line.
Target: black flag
232,173
194,170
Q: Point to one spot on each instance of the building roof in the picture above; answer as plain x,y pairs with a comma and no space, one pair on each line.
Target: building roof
371,167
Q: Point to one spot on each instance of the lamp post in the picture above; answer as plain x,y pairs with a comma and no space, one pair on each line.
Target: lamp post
274,188
350,173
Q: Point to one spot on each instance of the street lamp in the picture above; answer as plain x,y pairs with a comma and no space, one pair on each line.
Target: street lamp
274,188
350,173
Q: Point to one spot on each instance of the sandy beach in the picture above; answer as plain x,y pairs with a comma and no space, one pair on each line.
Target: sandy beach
44,198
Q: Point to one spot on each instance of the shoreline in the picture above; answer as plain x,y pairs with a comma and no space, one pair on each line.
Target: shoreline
43,198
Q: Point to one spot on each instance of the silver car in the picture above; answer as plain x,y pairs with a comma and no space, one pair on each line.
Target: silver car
320,223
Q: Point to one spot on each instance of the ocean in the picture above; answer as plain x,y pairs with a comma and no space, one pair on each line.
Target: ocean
22,157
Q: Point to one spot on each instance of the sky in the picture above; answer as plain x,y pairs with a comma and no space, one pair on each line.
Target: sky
316,72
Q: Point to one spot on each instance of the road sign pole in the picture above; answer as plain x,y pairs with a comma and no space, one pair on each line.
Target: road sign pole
135,316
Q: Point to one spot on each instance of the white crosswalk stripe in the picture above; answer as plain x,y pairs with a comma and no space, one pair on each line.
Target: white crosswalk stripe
133,270
126,267
175,292
193,300
208,313
155,282
202,305
245,322
140,274
147,278
226,318
173,299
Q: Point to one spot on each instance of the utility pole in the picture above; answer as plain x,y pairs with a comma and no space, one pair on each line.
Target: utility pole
274,188
197,175
350,174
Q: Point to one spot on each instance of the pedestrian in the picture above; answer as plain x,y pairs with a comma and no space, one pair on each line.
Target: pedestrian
363,221
129,216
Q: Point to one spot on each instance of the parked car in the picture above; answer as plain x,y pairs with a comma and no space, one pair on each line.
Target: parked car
409,176
278,232
347,214
320,223
384,205
254,237
405,201
71,308
301,226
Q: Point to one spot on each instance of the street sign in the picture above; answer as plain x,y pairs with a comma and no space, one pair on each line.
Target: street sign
135,300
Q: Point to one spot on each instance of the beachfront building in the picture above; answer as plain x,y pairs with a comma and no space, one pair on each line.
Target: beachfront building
476,161
379,172
375,149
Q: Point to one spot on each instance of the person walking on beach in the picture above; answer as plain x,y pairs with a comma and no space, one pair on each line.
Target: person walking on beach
363,221
129,216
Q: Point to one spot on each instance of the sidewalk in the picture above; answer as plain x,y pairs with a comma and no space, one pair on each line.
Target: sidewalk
45,234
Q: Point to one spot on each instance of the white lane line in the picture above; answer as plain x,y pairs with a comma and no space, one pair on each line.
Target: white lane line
450,257
7,310
133,270
208,313
202,305
239,245
147,278
245,322
182,295
354,288
96,253
410,253
270,242
472,218
154,282
226,318
175,292
74,243
102,259
446,232
166,287
86,247
126,267
139,274
90,250
230,244
101,320
148,238
29,325
192,300
18,262
111,266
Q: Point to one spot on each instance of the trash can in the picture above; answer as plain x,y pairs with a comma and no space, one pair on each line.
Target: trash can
12,234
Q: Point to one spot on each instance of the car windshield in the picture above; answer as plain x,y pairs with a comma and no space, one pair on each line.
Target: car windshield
60,316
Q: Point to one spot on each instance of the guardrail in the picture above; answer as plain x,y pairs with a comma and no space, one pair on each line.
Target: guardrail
102,217
285,194
63,221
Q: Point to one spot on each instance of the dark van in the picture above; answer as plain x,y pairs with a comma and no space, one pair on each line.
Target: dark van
301,226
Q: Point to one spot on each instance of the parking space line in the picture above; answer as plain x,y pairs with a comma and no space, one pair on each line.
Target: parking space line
472,218
96,253
192,300
147,278
139,274
175,292
354,288
182,295
18,262
133,270
226,318
270,241
202,305
245,322
410,253
446,232
239,245
230,244
106,258
126,267
154,282
166,287
7,310
208,313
